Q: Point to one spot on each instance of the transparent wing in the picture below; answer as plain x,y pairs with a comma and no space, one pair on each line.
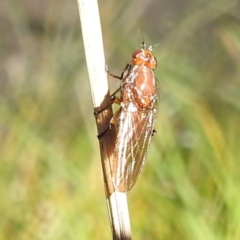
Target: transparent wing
134,133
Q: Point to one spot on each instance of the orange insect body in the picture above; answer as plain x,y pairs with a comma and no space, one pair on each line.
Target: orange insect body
135,119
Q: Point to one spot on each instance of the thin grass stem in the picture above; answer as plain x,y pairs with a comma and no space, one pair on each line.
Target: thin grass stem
93,45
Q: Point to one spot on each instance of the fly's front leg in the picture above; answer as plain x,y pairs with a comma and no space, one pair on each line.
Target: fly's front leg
113,98
125,73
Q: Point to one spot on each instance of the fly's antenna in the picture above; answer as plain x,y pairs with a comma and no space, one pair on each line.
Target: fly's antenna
143,44
150,48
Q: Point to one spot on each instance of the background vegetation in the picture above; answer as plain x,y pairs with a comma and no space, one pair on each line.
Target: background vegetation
50,172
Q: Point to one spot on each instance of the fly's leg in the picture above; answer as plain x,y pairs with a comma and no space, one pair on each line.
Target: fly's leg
112,75
113,98
125,73
112,122
113,119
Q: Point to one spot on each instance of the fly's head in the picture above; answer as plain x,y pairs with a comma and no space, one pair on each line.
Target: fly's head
145,57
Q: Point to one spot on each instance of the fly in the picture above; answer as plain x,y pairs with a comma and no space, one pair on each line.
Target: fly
135,119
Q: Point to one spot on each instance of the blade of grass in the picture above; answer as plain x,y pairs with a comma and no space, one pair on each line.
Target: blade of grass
92,38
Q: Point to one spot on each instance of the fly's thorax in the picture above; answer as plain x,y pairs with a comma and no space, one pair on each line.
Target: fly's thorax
144,85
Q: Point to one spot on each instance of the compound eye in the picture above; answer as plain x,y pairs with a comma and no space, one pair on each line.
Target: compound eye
137,53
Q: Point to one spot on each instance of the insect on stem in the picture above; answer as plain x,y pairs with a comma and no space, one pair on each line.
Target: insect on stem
135,120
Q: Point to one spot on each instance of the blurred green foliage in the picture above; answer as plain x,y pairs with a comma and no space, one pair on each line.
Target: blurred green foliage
50,173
